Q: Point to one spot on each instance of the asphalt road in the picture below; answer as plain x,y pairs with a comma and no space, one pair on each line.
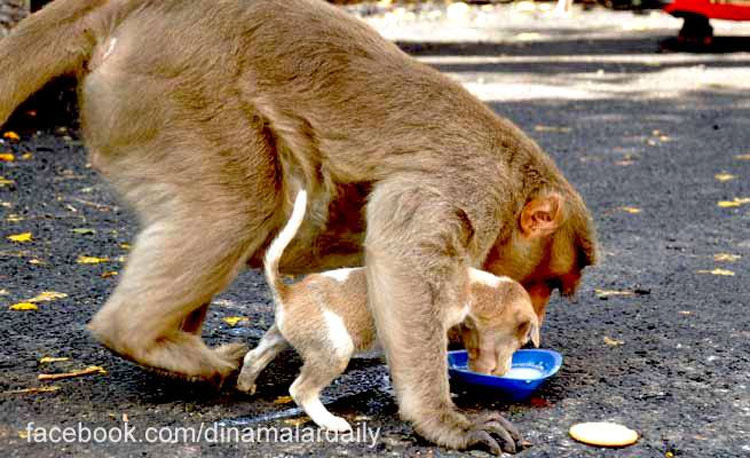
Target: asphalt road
658,338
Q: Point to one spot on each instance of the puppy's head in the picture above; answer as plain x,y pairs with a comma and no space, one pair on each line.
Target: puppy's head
501,320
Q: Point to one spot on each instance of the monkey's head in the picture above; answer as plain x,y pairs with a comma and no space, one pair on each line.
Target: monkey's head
552,242
501,320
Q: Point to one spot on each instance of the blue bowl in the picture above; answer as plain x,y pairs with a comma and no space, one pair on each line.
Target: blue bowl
531,367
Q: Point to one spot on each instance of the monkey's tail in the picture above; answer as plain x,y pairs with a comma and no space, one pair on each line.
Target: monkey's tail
279,244
51,42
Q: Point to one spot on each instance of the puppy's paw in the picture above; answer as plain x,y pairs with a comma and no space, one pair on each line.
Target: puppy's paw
336,424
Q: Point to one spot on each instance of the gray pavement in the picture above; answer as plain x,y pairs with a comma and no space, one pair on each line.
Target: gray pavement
658,338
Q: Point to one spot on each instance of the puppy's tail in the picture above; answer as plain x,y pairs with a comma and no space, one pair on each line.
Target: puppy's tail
279,244
51,42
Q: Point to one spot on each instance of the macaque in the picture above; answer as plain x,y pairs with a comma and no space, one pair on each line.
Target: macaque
202,114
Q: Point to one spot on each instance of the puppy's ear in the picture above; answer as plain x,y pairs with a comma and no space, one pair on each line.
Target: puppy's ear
534,333
542,215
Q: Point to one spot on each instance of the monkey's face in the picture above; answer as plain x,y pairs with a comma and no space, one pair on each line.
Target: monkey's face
541,260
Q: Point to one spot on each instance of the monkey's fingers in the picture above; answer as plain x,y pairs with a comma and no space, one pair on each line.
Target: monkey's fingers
480,437
507,425
509,444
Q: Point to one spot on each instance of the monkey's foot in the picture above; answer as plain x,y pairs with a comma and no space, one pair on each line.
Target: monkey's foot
496,433
452,429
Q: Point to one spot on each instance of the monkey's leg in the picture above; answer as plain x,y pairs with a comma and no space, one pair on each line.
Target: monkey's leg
189,250
258,358
416,267
193,323
318,372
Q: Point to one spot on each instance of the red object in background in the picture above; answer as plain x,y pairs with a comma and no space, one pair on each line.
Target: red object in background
735,10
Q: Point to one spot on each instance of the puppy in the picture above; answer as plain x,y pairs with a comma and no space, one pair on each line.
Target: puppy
326,318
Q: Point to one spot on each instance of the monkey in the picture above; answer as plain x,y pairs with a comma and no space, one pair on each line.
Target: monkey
325,317
201,113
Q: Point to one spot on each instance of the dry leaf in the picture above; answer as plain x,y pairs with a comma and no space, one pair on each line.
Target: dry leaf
726,257
4,181
125,246
720,272
234,320
613,342
7,157
26,156
555,129
602,293
685,312
46,296
109,274
296,421
631,210
90,260
743,157
83,231
13,218
53,359
23,306
4,292
91,370
20,238
736,202
283,400
34,390
725,176
10,135
36,262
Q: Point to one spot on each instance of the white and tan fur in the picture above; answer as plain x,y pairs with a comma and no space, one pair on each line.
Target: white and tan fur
326,318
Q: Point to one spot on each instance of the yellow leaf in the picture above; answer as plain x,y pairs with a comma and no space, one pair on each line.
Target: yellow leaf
53,359
613,342
725,176
728,204
233,320
726,257
283,400
296,421
22,306
109,274
720,272
90,260
736,202
46,296
10,135
7,157
743,157
20,238
4,181
608,293
26,156
125,246
631,210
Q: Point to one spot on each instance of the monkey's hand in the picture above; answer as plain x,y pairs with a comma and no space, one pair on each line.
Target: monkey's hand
489,431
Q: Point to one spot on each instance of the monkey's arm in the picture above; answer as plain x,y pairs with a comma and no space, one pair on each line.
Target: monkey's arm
416,268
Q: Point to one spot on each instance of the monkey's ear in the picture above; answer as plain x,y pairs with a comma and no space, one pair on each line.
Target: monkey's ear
542,216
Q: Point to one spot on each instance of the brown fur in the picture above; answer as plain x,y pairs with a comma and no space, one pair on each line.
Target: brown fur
202,112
